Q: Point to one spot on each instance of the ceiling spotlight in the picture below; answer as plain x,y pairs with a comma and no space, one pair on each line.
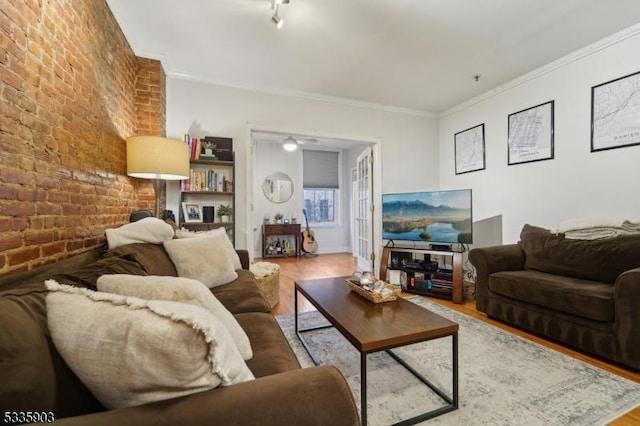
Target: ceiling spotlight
282,1
290,144
277,21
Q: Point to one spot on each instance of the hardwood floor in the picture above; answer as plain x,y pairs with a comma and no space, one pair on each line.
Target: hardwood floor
327,265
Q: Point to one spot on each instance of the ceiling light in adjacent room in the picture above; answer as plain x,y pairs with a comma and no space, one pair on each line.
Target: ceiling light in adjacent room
290,144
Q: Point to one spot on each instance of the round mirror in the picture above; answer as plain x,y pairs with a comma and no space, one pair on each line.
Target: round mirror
278,187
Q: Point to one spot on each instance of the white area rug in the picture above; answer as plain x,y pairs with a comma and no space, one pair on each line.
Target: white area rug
504,379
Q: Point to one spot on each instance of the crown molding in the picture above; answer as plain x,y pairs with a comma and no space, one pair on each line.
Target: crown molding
303,95
575,56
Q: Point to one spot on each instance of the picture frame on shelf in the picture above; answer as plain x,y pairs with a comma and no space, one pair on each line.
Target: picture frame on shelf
222,147
531,134
615,108
192,212
470,150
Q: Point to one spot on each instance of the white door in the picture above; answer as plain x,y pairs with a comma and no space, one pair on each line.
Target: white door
354,210
363,229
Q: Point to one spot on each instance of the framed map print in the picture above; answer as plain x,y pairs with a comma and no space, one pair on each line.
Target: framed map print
469,150
531,134
615,113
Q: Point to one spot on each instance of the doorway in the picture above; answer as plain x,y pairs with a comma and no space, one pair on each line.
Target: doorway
331,239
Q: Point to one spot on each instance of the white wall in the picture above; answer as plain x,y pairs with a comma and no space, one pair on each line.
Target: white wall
407,142
576,183
271,158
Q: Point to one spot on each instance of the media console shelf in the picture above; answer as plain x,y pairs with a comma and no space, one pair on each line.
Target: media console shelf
426,272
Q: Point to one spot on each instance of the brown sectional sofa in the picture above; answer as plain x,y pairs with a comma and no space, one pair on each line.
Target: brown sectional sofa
585,294
36,378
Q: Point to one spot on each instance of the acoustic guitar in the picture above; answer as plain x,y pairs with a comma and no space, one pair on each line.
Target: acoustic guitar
309,244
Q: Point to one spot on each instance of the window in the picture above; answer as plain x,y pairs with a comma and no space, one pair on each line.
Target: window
320,204
321,177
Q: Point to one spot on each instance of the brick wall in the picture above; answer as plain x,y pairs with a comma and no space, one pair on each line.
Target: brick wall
67,103
150,117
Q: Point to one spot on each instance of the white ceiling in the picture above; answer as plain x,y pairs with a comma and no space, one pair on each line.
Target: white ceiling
419,55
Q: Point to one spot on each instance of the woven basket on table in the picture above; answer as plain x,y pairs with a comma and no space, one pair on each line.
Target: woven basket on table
374,296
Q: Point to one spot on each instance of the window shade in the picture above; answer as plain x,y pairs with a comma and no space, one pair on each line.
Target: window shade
320,169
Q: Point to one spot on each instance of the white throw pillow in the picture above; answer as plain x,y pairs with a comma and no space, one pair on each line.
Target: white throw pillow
204,259
183,233
129,351
147,230
177,289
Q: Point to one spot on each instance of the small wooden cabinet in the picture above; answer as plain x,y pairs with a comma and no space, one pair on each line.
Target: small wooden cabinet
426,272
281,240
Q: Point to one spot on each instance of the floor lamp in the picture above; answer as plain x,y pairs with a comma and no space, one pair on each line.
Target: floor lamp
159,159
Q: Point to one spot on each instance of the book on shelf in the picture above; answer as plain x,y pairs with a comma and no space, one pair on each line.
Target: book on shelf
194,146
220,148
207,180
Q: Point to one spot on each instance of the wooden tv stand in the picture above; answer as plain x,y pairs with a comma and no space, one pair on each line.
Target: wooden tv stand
449,282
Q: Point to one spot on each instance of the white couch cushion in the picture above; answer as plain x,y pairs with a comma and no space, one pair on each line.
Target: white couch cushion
130,351
147,230
205,259
177,289
182,233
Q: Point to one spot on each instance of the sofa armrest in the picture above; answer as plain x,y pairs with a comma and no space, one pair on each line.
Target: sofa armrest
244,257
311,396
488,260
627,300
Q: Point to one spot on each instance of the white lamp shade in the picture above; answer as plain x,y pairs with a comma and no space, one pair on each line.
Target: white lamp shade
154,157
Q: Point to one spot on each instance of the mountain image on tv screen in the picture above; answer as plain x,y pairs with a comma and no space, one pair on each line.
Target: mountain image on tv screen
442,217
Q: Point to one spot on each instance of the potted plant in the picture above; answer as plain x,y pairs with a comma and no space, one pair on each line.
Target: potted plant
278,217
208,148
225,212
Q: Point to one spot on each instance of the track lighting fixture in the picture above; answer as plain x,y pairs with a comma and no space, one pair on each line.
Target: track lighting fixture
277,21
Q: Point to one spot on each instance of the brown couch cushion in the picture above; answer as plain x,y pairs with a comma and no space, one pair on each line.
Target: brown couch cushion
87,276
34,376
588,299
242,294
271,351
152,258
597,260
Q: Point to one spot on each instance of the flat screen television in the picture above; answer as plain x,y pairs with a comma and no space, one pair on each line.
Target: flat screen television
437,217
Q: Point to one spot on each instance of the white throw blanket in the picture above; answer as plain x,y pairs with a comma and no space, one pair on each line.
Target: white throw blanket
597,229
147,230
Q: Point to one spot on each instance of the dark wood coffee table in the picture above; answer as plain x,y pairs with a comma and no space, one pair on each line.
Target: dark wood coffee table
361,322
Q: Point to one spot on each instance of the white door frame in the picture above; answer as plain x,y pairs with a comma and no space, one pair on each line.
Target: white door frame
375,143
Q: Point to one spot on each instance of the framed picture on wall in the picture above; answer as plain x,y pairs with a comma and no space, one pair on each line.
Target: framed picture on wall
615,113
531,134
191,212
469,149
